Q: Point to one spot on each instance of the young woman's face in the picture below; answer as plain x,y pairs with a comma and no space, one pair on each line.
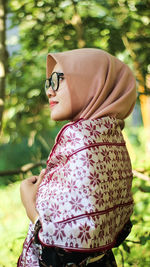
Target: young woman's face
60,101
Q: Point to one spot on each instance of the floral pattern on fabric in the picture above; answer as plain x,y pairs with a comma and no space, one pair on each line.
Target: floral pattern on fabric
85,197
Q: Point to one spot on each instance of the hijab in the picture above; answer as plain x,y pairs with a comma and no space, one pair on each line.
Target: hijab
102,84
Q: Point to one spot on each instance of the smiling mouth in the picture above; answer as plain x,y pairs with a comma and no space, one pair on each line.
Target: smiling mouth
52,104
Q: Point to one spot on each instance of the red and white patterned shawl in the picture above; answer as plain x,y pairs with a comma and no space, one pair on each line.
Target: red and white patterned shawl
85,198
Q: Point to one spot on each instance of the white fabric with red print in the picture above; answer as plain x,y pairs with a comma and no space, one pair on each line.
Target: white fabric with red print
85,198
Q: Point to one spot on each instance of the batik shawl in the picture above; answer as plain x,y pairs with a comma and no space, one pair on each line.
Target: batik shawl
85,198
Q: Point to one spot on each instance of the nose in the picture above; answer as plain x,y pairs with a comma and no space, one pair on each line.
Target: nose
50,92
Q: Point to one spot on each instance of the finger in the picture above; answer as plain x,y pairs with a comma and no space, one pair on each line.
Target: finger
29,180
42,172
34,179
41,176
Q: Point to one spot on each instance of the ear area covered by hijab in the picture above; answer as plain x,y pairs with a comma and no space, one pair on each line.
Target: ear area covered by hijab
100,83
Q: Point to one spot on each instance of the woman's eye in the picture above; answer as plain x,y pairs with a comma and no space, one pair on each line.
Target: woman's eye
62,78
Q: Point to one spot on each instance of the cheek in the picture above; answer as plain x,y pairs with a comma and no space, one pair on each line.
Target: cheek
65,102
62,111
66,108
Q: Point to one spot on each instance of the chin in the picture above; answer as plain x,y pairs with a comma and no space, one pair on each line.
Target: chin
56,117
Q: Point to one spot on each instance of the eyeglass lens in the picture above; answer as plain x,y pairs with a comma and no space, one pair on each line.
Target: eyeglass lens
52,81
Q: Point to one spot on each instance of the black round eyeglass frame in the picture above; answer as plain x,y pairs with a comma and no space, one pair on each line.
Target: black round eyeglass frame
49,82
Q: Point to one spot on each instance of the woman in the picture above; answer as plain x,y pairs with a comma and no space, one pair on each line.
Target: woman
80,206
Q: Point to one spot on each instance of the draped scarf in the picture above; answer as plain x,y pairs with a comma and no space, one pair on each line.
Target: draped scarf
85,198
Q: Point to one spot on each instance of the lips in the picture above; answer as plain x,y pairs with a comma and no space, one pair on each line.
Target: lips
53,103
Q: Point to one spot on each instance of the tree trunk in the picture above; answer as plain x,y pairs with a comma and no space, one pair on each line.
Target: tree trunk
77,24
2,56
144,99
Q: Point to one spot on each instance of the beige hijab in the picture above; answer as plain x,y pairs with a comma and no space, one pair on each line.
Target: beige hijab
103,83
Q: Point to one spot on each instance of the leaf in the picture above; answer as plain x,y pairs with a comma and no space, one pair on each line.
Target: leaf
144,239
134,222
126,247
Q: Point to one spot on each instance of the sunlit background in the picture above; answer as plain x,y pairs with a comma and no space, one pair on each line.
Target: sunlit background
29,29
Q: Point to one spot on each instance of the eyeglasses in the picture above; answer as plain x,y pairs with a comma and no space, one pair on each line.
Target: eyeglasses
53,81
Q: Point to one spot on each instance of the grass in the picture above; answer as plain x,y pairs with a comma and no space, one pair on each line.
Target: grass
13,225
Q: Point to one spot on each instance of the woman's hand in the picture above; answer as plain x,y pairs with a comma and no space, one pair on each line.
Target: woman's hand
28,190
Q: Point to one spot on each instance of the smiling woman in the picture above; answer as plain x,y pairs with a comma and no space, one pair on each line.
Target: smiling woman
80,205
57,94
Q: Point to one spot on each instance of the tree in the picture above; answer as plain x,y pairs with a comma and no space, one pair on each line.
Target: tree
3,57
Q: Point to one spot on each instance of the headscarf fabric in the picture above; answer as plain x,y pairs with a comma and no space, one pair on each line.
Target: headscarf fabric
102,84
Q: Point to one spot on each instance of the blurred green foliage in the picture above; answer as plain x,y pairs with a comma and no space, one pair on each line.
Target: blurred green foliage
120,27
135,251
13,226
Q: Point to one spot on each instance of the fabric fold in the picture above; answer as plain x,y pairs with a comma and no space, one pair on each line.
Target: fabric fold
85,198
